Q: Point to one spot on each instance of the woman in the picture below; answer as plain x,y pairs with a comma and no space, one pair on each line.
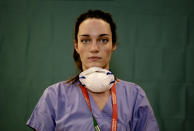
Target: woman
94,99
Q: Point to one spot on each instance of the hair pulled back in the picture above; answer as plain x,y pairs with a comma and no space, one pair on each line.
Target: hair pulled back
97,14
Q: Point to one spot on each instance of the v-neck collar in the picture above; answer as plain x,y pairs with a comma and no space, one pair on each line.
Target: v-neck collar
106,111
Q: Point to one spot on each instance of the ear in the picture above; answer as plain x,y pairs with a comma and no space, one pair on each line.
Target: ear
114,47
76,46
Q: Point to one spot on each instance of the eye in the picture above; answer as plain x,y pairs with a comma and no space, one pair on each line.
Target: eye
103,40
84,41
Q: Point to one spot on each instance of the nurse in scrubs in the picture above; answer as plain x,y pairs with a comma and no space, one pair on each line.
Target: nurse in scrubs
94,100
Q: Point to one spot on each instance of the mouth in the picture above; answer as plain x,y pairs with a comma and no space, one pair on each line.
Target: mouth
94,58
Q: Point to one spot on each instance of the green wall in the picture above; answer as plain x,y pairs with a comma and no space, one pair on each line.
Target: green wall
156,51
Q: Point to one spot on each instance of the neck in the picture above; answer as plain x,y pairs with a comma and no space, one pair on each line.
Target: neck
100,94
100,98
105,67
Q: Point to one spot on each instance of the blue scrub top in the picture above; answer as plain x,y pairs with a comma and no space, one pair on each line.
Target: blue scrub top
62,107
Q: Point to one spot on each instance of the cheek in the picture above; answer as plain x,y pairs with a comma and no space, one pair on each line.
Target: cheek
108,53
82,52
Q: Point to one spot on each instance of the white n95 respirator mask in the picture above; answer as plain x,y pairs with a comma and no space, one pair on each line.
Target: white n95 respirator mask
97,79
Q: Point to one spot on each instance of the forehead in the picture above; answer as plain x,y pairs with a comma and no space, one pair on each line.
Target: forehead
94,27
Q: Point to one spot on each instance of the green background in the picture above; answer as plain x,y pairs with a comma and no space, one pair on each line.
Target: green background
156,51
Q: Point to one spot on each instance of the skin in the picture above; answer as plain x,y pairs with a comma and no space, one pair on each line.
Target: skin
95,47
94,43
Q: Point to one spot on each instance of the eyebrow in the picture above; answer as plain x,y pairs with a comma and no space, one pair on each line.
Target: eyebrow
99,35
104,34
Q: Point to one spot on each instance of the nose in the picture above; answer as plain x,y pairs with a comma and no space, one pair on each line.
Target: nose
94,47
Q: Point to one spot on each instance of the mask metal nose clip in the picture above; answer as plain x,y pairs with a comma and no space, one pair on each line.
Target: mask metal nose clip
82,77
109,73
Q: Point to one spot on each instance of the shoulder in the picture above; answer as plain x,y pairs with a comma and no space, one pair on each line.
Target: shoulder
134,93
130,87
58,93
62,85
61,88
59,85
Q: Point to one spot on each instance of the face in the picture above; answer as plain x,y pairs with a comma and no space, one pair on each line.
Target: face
94,43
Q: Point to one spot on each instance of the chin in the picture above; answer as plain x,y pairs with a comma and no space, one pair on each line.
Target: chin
97,65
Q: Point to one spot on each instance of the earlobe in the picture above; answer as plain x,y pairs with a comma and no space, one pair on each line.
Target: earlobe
114,47
76,46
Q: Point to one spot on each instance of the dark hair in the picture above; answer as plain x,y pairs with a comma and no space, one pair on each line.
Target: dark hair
97,14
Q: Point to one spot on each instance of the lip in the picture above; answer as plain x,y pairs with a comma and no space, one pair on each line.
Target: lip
94,58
